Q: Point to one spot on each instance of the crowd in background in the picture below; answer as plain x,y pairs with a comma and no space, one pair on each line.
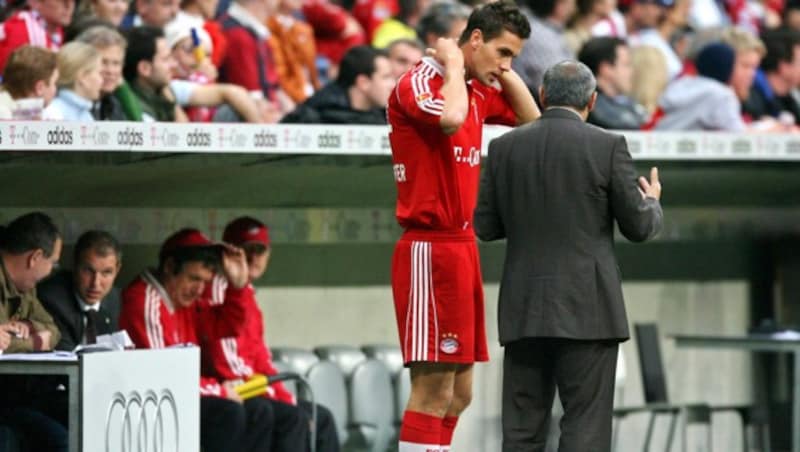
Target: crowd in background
660,64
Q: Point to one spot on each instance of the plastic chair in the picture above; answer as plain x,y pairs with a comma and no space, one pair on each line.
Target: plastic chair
369,394
392,357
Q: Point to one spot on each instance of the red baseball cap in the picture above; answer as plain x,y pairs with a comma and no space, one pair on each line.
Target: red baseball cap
186,237
246,230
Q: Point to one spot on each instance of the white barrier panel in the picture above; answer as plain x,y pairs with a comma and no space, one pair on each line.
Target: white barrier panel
347,140
141,400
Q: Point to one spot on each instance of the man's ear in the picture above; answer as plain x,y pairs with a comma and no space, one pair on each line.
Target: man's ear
144,68
34,257
542,98
39,87
476,38
362,82
592,101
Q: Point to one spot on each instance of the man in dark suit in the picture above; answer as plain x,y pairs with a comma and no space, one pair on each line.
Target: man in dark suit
553,189
84,302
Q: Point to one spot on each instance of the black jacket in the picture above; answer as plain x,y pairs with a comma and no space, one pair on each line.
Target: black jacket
330,105
59,297
554,188
619,113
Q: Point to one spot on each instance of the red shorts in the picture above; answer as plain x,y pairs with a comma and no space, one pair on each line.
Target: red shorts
438,298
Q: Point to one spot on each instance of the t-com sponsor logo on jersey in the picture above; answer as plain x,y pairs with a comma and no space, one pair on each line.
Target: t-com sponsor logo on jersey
198,138
59,136
130,137
142,422
471,157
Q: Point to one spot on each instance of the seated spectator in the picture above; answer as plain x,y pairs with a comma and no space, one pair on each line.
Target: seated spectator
29,83
547,45
30,247
294,39
791,15
610,61
588,13
84,302
150,13
148,69
706,101
192,51
749,51
201,14
79,83
41,25
443,19
657,29
613,24
402,25
335,31
112,11
650,77
244,354
771,93
158,311
111,47
250,61
403,54
358,96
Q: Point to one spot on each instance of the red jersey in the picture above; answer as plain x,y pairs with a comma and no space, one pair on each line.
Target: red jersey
437,175
26,27
153,321
244,353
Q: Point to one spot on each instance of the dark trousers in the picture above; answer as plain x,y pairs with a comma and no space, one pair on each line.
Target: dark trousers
291,427
36,431
583,372
226,425
327,437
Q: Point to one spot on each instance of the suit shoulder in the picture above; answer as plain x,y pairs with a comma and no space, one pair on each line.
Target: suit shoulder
515,133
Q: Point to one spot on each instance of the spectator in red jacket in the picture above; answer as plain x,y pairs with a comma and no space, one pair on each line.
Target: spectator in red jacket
246,353
158,310
41,25
335,30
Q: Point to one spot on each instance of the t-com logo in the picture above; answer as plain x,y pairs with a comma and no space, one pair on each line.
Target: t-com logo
142,422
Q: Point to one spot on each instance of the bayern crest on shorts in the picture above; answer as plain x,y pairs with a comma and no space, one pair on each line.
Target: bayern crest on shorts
449,344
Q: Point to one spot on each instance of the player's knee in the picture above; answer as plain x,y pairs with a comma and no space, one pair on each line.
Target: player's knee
434,400
461,400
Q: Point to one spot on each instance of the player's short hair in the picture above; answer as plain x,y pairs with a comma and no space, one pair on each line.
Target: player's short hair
494,18
357,61
26,66
568,84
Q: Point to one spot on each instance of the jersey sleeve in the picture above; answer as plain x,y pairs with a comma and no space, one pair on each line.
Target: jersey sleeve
418,95
141,317
211,387
498,110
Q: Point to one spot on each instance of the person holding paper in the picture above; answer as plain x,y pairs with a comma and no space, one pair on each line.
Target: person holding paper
84,302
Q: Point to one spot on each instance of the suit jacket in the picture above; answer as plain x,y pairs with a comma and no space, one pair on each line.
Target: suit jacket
59,297
553,188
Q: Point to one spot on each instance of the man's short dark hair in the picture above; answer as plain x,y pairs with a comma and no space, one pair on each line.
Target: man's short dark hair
780,46
101,243
141,47
568,84
357,61
494,18
600,50
29,232
209,256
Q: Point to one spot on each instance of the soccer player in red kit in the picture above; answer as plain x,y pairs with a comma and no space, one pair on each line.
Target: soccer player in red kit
436,115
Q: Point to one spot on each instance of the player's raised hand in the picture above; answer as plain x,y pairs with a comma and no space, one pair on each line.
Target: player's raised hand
447,53
234,265
651,188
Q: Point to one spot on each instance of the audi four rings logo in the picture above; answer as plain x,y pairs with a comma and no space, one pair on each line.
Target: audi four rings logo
139,420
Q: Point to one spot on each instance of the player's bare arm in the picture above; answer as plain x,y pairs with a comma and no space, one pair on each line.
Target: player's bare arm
519,97
454,89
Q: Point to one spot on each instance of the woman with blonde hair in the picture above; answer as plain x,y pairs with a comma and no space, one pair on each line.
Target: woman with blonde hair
79,82
650,76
